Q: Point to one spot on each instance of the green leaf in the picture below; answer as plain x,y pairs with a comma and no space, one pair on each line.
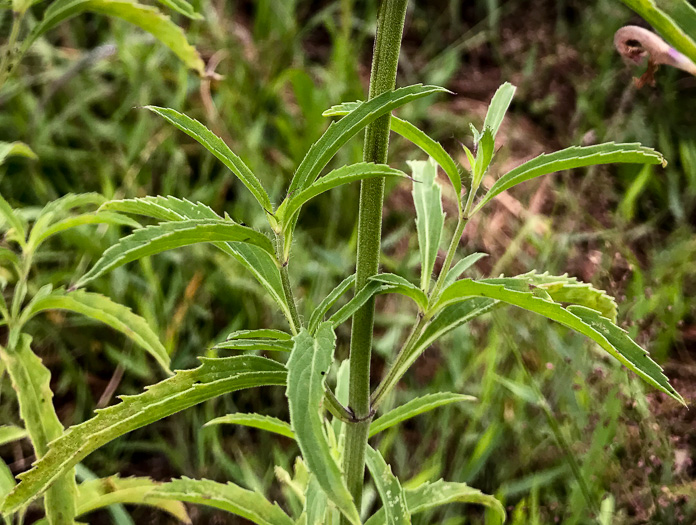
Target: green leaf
10,433
162,208
461,266
182,7
255,344
169,235
338,133
38,236
427,197
217,147
98,493
260,333
498,107
31,381
393,498
569,158
7,483
267,423
62,206
309,362
419,138
187,388
229,497
103,309
396,284
15,149
316,504
433,495
579,318
414,408
485,148
328,301
15,223
672,19
148,18
343,175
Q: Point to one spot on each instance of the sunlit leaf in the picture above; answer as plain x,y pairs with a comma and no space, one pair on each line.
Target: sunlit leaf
498,107
393,498
15,149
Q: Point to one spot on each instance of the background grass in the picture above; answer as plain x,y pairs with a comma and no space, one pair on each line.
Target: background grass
559,433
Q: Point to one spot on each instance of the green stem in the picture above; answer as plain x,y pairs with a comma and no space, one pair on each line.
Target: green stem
294,318
385,59
6,65
451,252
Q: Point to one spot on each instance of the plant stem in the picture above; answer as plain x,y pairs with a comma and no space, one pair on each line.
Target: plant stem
6,65
294,318
451,251
385,59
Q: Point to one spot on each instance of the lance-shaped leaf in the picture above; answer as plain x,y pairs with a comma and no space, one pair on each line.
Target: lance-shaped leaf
393,497
7,481
427,197
316,505
187,388
260,333
433,495
10,220
103,309
99,493
31,381
498,107
461,266
251,505
255,344
309,362
343,175
170,235
10,433
162,208
579,318
15,149
267,423
182,7
61,207
396,284
574,157
414,408
148,18
217,147
328,301
419,138
338,133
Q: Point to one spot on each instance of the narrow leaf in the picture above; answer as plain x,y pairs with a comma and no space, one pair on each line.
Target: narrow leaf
574,157
498,107
255,344
99,493
229,497
101,308
12,220
267,423
393,498
170,235
260,333
14,149
187,388
162,208
10,433
182,7
397,284
427,197
338,133
414,408
328,301
309,362
461,266
316,503
217,147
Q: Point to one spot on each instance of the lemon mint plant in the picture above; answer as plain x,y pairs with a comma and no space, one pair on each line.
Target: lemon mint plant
331,423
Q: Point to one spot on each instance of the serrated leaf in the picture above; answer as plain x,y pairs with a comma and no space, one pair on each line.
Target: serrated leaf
498,107
393,497
343,175
309,362
169,235
338,133
102,309
569,158
267,423
255,344
162,208
217,147
578,318
148,18
186,388
393,283
260,333
414,408
461,266
419,138
432,495
251,505
15,149
98,493
31,381
10,433
182,7
430,219
328,301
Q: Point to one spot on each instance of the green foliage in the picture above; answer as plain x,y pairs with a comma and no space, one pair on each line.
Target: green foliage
393,497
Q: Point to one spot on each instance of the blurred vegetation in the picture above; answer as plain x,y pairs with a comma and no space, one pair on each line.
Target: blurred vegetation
552,434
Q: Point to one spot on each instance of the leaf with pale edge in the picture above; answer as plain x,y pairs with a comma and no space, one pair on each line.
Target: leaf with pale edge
248,504
185,389
498,107
262,344
328,301
393,498
267,423
309,362
461,266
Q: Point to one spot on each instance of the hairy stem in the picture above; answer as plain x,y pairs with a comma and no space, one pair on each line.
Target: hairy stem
385,59
294,318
